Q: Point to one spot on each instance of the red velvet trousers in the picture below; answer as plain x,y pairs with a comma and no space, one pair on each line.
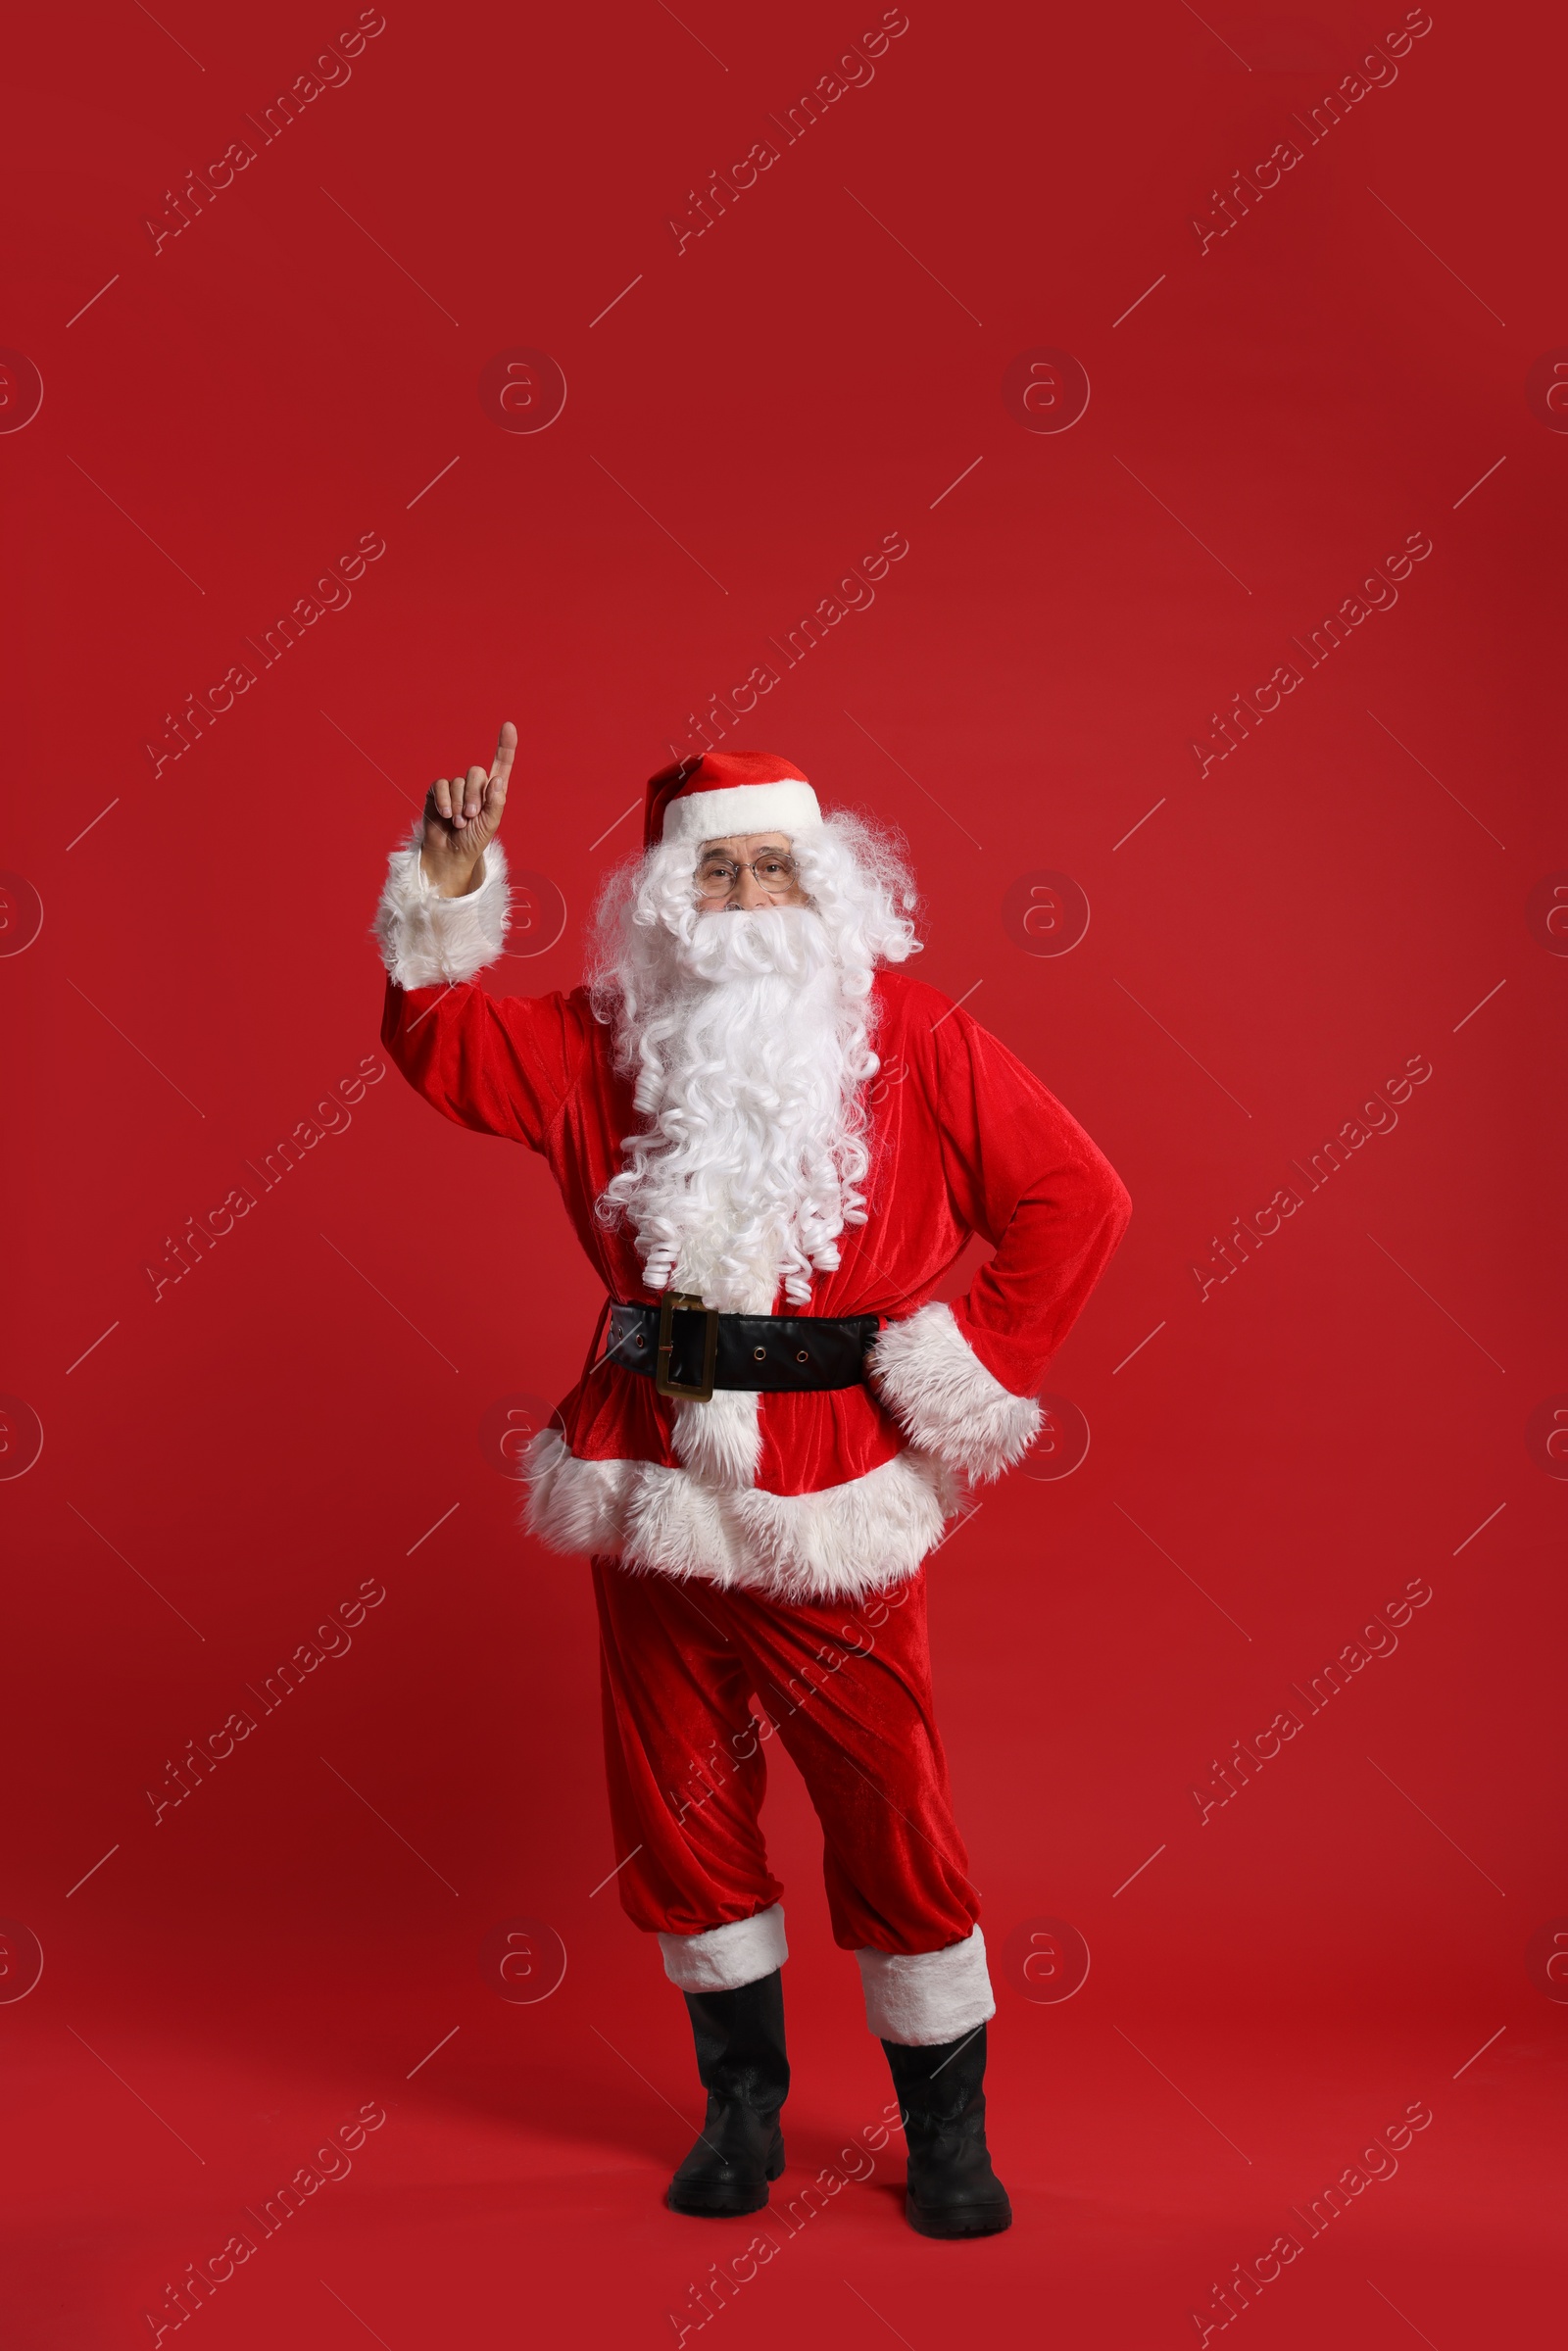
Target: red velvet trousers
845,1688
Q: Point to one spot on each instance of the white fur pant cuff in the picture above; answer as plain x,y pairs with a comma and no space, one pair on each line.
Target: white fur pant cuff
919,1998
726,1957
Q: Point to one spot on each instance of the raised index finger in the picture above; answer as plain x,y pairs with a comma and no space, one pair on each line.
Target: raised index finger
504,753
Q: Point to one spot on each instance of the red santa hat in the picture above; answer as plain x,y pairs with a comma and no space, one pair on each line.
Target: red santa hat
727,792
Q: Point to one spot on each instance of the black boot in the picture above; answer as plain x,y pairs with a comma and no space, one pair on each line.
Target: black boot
950,2189
742,2066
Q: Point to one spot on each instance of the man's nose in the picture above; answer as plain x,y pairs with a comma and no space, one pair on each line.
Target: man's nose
748,893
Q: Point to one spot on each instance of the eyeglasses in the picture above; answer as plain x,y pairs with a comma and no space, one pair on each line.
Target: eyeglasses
716,876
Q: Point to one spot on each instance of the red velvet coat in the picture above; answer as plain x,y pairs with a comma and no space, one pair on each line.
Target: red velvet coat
964,1140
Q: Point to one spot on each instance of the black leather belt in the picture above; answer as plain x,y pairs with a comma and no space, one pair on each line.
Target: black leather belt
688,1349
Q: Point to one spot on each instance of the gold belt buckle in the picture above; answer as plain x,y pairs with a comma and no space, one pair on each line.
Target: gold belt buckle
688,1304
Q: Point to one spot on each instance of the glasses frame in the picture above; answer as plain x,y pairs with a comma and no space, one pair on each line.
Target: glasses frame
749,866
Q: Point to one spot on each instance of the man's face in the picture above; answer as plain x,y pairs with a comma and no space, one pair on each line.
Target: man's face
747,871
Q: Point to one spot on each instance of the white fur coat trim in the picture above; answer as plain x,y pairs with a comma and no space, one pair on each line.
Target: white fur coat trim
726,1957
918,1998
943,1398
845,1539
719,1438
425,937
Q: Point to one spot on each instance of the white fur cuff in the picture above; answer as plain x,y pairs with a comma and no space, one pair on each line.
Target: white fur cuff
425,937
919,1998
945,1399
726,1957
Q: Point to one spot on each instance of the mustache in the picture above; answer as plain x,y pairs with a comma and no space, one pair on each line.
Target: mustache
755,943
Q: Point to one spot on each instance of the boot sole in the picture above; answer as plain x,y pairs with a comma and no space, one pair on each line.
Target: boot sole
730,2209
959,2221
726,2204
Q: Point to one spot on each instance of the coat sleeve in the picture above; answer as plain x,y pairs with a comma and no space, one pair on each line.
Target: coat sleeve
1022,1174
504,1065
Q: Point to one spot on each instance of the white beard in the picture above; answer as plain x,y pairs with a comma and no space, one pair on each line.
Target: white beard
747,1172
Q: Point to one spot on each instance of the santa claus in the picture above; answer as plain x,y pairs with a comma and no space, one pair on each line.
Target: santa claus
772,1143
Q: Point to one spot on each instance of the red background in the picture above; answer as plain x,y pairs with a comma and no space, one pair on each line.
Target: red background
1268,418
